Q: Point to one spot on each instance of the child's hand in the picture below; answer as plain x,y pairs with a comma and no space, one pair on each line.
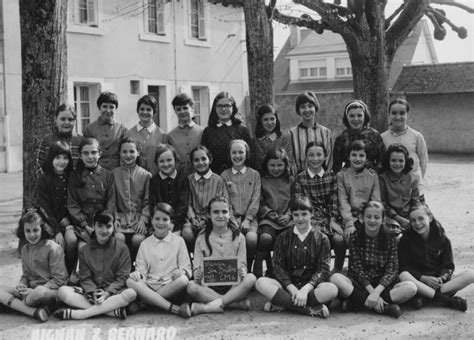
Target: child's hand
100,296
19,287
245,226
348,231
300,298
136,276
177,273
24,292
198,275
59,239
89,230
64,222
117,225
336,228
431,281
373,299
272,216
379,307
141,228
293,291
284,220
404,223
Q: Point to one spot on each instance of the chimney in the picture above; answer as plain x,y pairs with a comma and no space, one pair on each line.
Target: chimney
295,36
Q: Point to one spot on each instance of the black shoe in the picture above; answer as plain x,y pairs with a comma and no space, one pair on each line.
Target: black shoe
346,305
320,311
416,302
392,310
135,307
458,303
41,314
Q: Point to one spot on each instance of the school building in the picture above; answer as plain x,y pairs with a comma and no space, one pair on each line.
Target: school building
132,48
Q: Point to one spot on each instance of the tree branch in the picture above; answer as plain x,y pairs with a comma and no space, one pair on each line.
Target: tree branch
304,21
453,3
388,21
440,17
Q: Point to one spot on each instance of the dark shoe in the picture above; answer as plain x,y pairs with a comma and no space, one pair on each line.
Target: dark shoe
63,314
458,303
319,310
41,314
120,313
185,311
392,310
135,307
416,302
269,307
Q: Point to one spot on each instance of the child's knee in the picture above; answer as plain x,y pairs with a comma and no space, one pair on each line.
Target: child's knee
129,295
404,276
192,288
409,288
329,289
137,239
70,238
265,240
187,233
119,236
337,278
249,280
251,239
182,281
64,292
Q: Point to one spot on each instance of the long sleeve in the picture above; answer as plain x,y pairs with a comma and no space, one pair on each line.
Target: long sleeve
384,197
422,152
122,272
141,265
145,213
184,262
57,268
344,204
356,262
375,194
280,260
405,258
391,269
333,203
252,209
323,260
110,193
85,274
73,202
44,200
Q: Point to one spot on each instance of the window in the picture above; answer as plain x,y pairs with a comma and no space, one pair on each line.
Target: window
200,96
309,69
85,12
343,67
134,86
155,17
82,104
197,20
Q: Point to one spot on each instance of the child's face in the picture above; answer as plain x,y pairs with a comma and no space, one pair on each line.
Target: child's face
373,219
276,167
355,118
237,155
103,232
269,122
397,162
398,116
420,221
201,162
107,111
128,153
65,121
161,223
90,155
185,113
224,109
302,218
315,158
32,232
167,163
357,158
220,215
60,163
145,114
307,111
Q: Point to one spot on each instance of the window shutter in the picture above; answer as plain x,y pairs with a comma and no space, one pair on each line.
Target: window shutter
160,17
202,20
91,13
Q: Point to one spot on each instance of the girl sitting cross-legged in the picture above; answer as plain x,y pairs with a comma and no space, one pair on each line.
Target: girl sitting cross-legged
162,267
104,265
301,267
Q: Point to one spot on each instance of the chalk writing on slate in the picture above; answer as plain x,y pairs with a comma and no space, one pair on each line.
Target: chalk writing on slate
220,271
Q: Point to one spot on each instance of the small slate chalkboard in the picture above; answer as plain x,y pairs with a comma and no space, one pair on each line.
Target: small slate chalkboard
220,271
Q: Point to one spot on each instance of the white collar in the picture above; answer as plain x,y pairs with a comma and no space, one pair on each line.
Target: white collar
228,123
301,236
150,129
207,175
173,175
190,124
242,171
313,174
165,239
272,137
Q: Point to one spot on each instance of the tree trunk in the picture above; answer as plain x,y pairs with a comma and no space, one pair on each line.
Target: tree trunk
44,73
259,41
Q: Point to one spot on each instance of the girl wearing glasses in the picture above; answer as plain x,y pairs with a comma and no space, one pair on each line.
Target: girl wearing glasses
224,125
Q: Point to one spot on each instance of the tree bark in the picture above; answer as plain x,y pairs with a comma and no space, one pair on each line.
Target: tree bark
259,42
44,74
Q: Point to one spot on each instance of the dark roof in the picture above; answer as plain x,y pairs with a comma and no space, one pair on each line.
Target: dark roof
320,86
437,78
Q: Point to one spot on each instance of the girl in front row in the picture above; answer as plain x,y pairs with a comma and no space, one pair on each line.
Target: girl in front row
373,267
426,259
132,184
203,186
51,197
104,265
301,260
320,186
221,238
43,271
163,268
90,189
274,213
170,185
243,185
398,187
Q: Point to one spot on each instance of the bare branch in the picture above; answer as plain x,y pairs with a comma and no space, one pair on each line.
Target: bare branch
304,21
440,17
453,3
394,14
271,9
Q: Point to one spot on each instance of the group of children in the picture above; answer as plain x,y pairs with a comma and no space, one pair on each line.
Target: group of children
140,199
